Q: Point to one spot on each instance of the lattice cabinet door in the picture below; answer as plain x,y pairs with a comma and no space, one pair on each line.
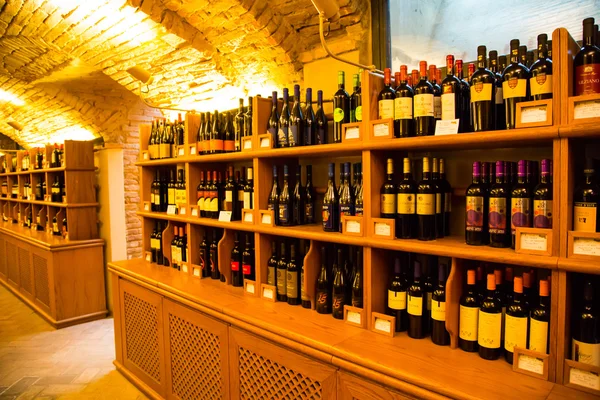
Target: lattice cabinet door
197,354
2,259
351,387
142,335
261,370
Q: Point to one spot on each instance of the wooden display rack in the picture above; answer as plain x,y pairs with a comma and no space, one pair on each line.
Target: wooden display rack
60,277
400,366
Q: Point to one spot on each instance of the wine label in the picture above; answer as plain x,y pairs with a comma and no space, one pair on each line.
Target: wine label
587,79
271,276
281,281
358,114
247,201
490,330
520,214
338,115
424,105
514,87
292,284
499,95
303,294
396,300
585,215
515,333
468,323
448,106
171,195
541,84
429,301
542,214
214,204
154,243
388,204
309,213
586,353
406,203
426,204
229,145
338,302
55,190
216,145
438,310
284,213
282,136
386,109
152,198
228,196
481,92
437,107
322,299
293,135
403,108
327,216
538,336
497,215
55,227
415,305
235,266
438,203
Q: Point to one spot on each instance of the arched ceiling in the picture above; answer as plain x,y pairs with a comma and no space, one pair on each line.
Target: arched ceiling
57,55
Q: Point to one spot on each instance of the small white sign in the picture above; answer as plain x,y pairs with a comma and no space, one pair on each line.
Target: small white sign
268,293
588,247
531,364
248,144
149,257
182,211
265,142
446,127
353,133
587,109
145,155
225,216
181,151
250,288
534,114
583,378
146,207
172,209
249,217
194,212
382,229
383,325
196,271
353,226
184,268
193,150
354,317
534,241
381,130
266,219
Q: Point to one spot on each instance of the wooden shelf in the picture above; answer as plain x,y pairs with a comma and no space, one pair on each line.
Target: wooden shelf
237,225
46,170
580,130
51,204
44,239
578,265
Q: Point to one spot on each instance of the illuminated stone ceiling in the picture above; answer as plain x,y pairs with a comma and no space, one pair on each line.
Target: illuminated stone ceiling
57,55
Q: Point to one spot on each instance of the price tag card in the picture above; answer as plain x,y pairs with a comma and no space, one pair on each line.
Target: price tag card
531,114
268,292
249,287
352,225
149,256
265,141
247,143
194,211
266,217
587,109
193,150
384,324
380,130
534,241
446,127
247,216
531,364
353,316
172,209
184,268
181,151
145,156
196,272
534,114
586,246
352,132
225,216
182,210
383,228
587,379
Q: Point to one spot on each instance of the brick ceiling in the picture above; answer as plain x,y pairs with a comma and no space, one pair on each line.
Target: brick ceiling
63,62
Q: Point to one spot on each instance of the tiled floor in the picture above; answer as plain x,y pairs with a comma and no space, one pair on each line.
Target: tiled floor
39,362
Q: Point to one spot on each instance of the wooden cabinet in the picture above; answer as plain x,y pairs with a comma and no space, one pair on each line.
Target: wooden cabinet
351,387
262,370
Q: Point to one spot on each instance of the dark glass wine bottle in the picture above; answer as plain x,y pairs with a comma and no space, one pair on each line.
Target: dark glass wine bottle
249,190
356,100
426,205
490,323
322,123
439,200
540,82
447,190
416,305
385,100
272,265
403,106
515,88
248,119
341,108
357,281
306,303
542,198
298,200
204,255
292,280
231,195
273,123
539,321
499,200
388,192
331,203
516,322
248,259
586,329
347,201
437,92
396,298
229,134
213,257
239,126
310,121
451,94
237,277
483,112
309,198
520,203
498,67
406,216
465,104
424,104
296,130
273,202
282,275
323,296
286,201
469,316
587,63
339,289
283,135
586,200
216,140
439,335
154,244
358,192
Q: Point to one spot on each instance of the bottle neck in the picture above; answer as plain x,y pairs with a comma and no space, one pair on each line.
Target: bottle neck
426,176
481,62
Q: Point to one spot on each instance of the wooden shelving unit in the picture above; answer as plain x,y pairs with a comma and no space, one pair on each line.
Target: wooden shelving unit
60,276
399,363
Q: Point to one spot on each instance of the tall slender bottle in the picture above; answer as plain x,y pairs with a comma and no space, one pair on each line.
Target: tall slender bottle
586,201
539,332
273,122
231,195
396,298
228,134
248,119
331,203
272,265
417,323
204,254
357,281
516,322
587,62
406,214
282,275
424,104
322,123
515,88
356,100
465,89
237,277
426,205
296,131
323,297
437,92
283,134
439,201
521,205
341,108
498,98
310,121
483,111
586,329
339,289
542,198
386,96
439,335
388,192
469,316
218,135
347,201
286,201
292,279
499,201
403,106
239,126
451,94
248,259
309,198
447,190
540,82
273,202
298,199
213,257
490,323
358,191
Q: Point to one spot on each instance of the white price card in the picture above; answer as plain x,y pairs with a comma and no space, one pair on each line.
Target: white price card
146,207
587,247
583,378
181,151
248,217
149,257
250,287
266,219
182,211
225,216
193,150
184,268
534,241
382,229
248,145
354,317
531,364
381,130
383,325
587,109
265,142
353,226
145,156
534,114
196,272
172,209
446,127
353,133
268,293
194,212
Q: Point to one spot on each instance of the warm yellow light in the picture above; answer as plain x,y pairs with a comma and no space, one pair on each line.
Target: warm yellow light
71,133
10,98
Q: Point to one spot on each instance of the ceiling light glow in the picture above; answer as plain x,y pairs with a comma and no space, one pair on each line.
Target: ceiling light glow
10,98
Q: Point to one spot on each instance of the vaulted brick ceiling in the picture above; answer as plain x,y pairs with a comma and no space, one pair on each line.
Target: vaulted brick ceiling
56,55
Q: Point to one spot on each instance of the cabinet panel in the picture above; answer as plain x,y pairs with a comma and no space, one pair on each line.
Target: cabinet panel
12,264
261,370
25,273
351,387
143,342
197,354
2,259
41,281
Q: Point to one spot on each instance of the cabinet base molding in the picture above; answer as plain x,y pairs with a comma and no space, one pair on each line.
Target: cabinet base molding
137,382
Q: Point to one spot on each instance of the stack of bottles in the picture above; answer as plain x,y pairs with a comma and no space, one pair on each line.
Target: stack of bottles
585,321
285,270
165,137
242,259
223,132
586,201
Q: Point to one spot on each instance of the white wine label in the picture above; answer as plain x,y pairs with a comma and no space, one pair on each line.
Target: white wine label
382,229
353,226
468,323
515,333
585,215
448,106
438,310
415,305
424,105
588,247
534,241
406,203
583,378
403,108
587,109
426,204
514,87
386,109
531,364
541,84
586,353
481,92
538,336
490,330
396,300
437,107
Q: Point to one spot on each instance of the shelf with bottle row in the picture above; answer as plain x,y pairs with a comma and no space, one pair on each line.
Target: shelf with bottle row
50,203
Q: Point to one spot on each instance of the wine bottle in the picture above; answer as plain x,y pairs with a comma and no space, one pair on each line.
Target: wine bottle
341,108
498,202
281,278
154,205
216,141
426,205
388,192
272,266
427,280
542,198
240,185
339,288
520,200
516,322
586,330
175,250
356,100
482,95
286,202
424,104
358,192
183,248
239,126
447,190
439,335
322,123
248,259
587,63
331,203
465,104
292,280
273,122
229,141
213,257
306,303
273,202
310,121
309,198
237,277
403,106
451,93
386,96
231,195
439,201
204,255
357,281
540,82
298,208
586,200
497,66
515,88
417,324
540,321
249,190
154,244
489,325
283,135
469,316
160,257
248,119
164,191
323,298
406,217
437,92
347,201
396,298
56,190
296,130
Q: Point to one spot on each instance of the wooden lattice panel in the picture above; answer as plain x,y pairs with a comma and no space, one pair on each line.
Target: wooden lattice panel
195,361
11,262
2,258
141,335
40,273
261,378
25,270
